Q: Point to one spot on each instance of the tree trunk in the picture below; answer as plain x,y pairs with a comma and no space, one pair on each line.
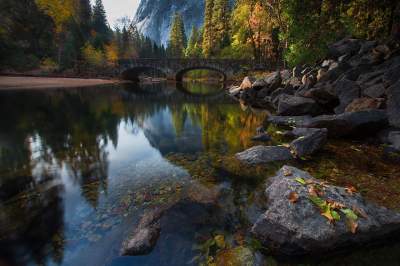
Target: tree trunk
396,23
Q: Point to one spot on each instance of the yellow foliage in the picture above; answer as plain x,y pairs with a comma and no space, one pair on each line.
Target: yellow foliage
59,10
92,56
111,53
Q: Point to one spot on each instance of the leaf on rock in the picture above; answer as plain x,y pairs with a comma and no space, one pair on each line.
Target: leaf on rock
293,197
353,225
335,215
320,203
328,214
350,190
360,212
300,180
349,214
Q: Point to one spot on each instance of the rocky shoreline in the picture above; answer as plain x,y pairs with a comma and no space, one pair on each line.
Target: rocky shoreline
354,93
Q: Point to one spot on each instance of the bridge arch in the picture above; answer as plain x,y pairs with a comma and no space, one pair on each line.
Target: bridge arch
133,73
181,73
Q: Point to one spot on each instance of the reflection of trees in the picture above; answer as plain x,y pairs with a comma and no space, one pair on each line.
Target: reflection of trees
45,131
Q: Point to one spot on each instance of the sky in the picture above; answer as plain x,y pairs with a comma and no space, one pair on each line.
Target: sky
119,8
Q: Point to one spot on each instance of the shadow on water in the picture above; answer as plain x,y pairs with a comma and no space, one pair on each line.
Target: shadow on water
79,166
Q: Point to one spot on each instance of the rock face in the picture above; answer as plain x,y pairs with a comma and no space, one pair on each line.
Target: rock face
293,225
264,154
153,17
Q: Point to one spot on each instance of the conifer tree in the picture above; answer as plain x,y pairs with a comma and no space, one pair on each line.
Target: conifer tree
193,49
100,25
177,38
208,32
220,23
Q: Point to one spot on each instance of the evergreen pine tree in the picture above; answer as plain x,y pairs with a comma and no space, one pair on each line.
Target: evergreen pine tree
177,38
84,14
100,25
208,32
220,23
193,49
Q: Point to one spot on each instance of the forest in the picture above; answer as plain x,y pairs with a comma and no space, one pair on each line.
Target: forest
73,35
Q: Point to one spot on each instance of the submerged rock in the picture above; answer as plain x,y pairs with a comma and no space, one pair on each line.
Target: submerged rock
145,236
238,256
294,225
264,154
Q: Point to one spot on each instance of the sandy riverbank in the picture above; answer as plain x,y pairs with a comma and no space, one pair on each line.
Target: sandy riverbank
15,83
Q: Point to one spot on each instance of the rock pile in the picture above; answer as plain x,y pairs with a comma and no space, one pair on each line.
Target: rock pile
355,90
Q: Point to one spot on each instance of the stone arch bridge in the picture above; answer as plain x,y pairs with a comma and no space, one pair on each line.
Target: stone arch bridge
175,68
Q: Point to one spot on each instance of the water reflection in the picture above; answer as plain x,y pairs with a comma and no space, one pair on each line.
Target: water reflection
72,162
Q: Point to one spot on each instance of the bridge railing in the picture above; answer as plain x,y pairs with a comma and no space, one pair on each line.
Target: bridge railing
243,62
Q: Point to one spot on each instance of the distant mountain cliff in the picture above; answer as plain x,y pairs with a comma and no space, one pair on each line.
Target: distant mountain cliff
153,17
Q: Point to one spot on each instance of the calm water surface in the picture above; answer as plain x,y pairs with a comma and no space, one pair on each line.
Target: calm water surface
79,167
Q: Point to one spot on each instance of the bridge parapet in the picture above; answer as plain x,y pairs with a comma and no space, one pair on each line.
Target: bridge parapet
175,68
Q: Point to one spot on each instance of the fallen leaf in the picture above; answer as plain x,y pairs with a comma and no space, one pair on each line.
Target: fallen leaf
320,203
336,205
350,190
353,225
328,214
293,197
360,212
335,215
349,214
300,180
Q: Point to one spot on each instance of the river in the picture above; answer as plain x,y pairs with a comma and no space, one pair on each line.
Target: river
79,166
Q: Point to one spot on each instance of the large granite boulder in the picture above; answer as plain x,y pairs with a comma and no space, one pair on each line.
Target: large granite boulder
296,105
305,215
345,46
362,123
347,91
264,154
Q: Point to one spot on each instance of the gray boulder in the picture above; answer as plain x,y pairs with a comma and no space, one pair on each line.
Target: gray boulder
296,105
362,122
145,236
274,80
293,224
310,142
344,46
393,104
346,90
264,154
